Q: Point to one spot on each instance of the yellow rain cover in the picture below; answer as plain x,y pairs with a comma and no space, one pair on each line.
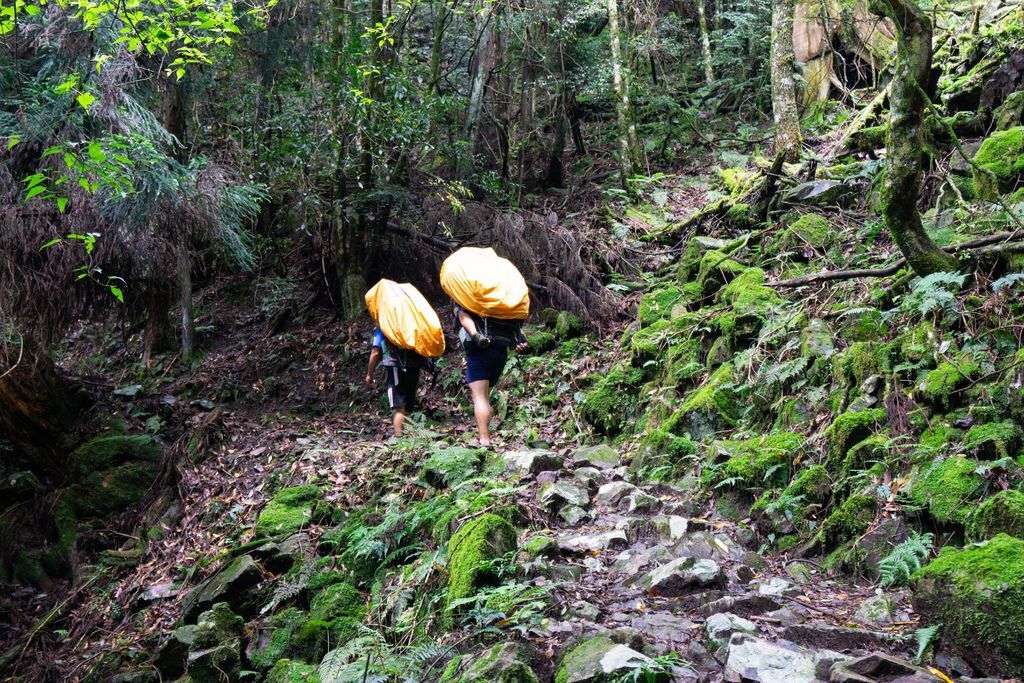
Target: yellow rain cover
405,318
486,284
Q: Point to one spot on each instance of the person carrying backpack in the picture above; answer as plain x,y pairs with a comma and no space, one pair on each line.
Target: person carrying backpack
486,343
401,373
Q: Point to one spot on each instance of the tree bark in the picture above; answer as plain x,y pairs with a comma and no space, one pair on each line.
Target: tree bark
629,146
787,122
705,42
188,323
158,335
908,101
37,412
477,90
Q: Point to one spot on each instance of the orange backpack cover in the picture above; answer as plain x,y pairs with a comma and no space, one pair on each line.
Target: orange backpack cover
406,318
484,283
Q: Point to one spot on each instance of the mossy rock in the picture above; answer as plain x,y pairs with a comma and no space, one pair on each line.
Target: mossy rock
102,493
1011,112
658,303
663,456
848,430
942,387
503,663
289,671
862,360
948,489
750,303
480,540
683,362
288,511
712,406
108,451
583,663
216,651
449,466
741,215
920,343
1002,155
810,489
753,463
847,522
338,601
994,440
275,636
940,438
235,584
568,326
611,402
716,270
977,595
736,181
810,231
689,262
1002,513
541,341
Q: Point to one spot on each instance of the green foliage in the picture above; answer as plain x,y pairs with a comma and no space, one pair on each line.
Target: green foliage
925,637
947,488
1000,162
1003,513
897,567
288,511
934,295
470,548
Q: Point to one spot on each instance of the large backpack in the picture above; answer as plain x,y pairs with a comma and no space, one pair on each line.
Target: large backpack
483,283
405,319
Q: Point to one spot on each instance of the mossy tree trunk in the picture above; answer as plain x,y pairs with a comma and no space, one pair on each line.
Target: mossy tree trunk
902,187
705,42
629,145
787,121
37,412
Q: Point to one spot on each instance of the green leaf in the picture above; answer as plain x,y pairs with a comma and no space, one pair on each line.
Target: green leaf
31,10
37,190
55,240
118,294
85,100
62,203
66,85
12,141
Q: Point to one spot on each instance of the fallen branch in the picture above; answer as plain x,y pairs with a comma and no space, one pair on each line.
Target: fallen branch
901,263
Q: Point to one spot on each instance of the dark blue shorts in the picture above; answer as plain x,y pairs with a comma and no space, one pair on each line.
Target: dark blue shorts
485,363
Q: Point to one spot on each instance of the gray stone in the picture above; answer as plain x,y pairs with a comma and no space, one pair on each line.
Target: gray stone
746,605
591,477
231,585
799,572
638,501
612,493
608,540
504,661
602,456
720,627
786,616
816,634
573,514
130,391
761,661
532,461
216,652
776,585
547,477
553,496
820,193
173,653
878,666
581,609
670,528
875,611
682,575
598,659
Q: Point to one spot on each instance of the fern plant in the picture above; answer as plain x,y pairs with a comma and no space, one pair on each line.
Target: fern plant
925,637
935,293
905,559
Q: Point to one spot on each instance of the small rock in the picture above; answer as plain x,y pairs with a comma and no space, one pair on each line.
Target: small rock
231,585
130,391
678,576
878,666
597,658
602,456
532,461
744,605
506,661
777,585
203,404
573,514
761,661
610,494
159,591
638,501
786,616
875,611
591,477
671,528
744,574
799,572
547,477
555,495
581,609
720,627
608,540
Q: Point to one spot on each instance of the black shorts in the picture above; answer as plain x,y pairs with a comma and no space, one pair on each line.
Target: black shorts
402,385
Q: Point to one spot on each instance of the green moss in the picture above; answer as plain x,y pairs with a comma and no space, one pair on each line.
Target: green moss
539,546
106,492
584,657
288,671
107,451
741,215
941,386
449,466
338,601
485,538
919,343
787,542
848,521
848,430
810,230
612,400
813,485
995,440
710,407
862,360
663,456
977,594
288,511
750,303
502,663
568,326
1003,513
658,303
1002,154
716,269
947,489
277,634
938,438
749,461
541,341
736,181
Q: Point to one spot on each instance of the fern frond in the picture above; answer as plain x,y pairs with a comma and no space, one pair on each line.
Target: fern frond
905,559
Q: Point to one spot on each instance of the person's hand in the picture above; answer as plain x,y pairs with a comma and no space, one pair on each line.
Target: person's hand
368,380
522,346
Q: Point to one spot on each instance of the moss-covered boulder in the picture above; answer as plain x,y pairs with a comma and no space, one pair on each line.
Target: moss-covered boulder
860,360
750,304
942,387
1002,513
716,270
289,671
568,326
479,541
848,430
712,406
216,652
234,584
786,511
920,343
663,456
541,341
689,262
947,488
612,400
105,452
504,663
807,235
105,492
995,440
274,637
977,595
658,303
449,466
847,522
1001,160
752,463
288,511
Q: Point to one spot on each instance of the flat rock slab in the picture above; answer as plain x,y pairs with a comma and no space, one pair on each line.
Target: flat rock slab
614,492
814,634
559,493
608,540
762,661
681,576
532,461
720,627
877,666
602,456
746,605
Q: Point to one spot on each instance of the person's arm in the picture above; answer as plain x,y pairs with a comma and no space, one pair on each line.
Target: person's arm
521,343
467,322
375,356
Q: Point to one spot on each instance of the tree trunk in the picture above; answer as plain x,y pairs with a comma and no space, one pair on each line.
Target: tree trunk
37,413
437,44
158,335
188,323
705,42
902,187
629,147
477,90
787,122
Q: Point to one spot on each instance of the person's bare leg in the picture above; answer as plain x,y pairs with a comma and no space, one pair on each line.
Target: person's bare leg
398,420
479,392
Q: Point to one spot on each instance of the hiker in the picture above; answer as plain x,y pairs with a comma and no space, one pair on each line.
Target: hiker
486,342
402,375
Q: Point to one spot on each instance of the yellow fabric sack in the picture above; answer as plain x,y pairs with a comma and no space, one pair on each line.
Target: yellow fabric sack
484,283
406,318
